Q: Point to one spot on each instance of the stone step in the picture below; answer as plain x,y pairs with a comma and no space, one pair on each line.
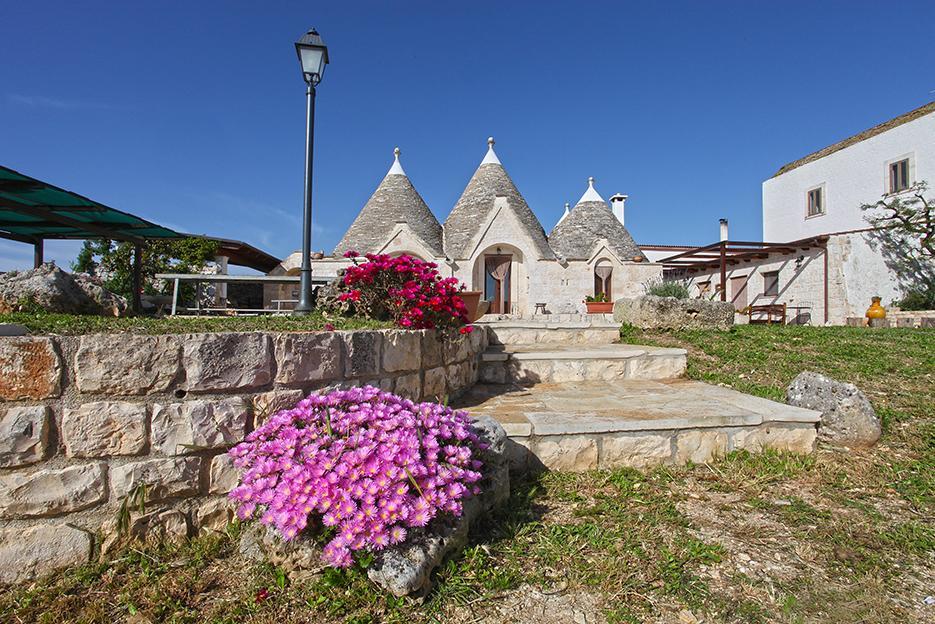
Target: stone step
547,363
583,332
638,423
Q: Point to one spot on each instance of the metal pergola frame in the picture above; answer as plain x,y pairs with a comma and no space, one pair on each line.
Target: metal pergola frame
725,253
26,216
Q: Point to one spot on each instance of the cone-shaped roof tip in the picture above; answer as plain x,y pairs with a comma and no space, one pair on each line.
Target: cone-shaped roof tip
491,157
591,194
397,168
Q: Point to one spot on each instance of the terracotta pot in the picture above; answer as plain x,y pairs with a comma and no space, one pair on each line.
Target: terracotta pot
472,301
600,307
876,311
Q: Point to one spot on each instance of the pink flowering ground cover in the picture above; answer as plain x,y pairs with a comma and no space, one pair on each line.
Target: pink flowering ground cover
357,468
406,290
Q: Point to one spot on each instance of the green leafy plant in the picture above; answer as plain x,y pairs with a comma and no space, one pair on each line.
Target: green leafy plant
667,288
112,261
136,498
598,298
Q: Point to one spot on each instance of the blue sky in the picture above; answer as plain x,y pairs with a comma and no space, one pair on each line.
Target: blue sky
192,113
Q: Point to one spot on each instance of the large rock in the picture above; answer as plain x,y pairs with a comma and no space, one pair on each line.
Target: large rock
407,568
847,418
54,290
24,435
303,358
651,312
28,553
52,492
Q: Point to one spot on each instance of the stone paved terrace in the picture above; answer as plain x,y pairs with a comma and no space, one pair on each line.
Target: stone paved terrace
589,424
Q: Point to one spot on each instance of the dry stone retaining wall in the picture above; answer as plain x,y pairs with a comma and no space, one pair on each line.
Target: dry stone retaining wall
84,421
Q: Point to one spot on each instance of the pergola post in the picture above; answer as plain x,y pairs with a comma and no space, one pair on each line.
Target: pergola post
135,301
723,248
37,254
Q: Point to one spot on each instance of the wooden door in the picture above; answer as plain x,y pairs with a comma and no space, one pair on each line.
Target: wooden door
738,291
497,282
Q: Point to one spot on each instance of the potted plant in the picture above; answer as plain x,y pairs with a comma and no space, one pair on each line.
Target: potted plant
598,304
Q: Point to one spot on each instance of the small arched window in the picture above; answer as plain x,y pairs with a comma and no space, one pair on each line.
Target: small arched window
603,274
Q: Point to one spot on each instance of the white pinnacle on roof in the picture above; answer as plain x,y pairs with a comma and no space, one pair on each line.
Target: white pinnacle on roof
591,195
396,169
565,214
491,157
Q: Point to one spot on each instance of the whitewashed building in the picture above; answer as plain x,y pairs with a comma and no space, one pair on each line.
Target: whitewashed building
816,257
493,242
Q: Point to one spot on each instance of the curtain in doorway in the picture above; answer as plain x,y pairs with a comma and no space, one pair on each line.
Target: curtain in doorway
603,273
499,267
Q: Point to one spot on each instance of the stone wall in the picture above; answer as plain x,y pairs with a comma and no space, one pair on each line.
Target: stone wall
84,421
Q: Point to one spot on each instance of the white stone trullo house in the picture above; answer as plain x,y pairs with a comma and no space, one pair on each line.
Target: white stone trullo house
493,243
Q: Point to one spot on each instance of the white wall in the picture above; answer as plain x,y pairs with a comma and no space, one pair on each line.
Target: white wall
855,175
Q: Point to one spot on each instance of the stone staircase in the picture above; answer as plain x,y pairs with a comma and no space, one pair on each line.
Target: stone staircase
571,398
529,364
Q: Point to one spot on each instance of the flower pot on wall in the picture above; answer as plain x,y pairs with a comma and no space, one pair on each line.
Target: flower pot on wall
471,300
600,307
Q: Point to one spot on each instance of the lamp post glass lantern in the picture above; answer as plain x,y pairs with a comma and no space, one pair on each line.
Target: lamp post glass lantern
313,56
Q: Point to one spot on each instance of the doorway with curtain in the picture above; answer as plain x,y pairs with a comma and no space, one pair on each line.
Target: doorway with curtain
603,272
497,282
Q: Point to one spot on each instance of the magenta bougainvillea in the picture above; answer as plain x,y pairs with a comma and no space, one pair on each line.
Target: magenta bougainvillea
359,466
406,290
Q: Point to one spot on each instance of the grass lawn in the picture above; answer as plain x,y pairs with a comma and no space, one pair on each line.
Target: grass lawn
70,324
832,537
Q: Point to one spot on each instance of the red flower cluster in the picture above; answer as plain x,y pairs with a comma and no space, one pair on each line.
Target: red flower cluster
406,290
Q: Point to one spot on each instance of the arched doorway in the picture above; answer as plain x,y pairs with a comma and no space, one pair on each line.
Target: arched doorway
498,275
603,279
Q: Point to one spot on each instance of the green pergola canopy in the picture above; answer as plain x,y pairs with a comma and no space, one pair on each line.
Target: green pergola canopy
32,211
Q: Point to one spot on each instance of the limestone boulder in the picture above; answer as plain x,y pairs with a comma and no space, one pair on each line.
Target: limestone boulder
847,417
126,364
309,357
651,312
227,361
164,478
104,429
32,552
54,290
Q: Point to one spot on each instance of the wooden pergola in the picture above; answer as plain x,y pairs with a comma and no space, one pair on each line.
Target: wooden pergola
726,253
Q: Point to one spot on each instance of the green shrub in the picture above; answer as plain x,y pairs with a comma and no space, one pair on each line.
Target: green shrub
672,288
918,300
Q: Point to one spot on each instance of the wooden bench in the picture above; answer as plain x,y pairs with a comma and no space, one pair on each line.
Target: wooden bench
773,313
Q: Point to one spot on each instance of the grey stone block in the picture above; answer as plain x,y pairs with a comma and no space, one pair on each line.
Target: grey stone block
31,552
164,478
52,492
363,349
24,435
181,428
304,358
227,361
124,364
103,429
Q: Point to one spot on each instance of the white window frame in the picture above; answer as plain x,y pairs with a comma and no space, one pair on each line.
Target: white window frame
824,201
887,189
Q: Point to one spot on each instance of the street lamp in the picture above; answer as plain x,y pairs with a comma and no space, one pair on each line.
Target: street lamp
313,56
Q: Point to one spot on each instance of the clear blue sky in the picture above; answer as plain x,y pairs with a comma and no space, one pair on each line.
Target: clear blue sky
192,113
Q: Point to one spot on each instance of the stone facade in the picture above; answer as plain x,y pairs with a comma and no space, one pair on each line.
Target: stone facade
87,421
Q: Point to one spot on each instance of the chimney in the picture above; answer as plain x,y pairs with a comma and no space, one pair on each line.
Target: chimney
616,203
724,229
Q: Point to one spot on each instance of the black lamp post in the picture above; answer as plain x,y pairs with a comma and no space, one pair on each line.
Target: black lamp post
313,56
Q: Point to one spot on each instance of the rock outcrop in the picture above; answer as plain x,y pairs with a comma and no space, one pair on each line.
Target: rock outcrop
54,290
847,418
651,312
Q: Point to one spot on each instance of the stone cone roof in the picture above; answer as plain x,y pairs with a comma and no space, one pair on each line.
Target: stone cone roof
395,200
473,208
589,221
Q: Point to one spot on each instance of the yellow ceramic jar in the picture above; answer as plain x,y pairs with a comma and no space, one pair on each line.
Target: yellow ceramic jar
876,311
